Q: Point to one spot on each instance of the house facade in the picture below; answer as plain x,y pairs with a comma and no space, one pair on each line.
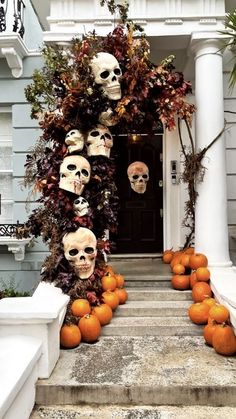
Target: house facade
188,30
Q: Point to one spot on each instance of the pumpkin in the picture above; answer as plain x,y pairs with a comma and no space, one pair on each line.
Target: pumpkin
108,282
200,291
122,295
110,298
189,250
185,260
80,307
198,260
167,256
90,328
210,301
208,331
180,282
224,340
109,269
178,269
219,313
192,279
104,313
70,336
198,313
203,274
176,259
120,280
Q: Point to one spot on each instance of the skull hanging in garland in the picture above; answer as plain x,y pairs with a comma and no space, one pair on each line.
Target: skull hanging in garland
99,141
75,140
81,206
75,173
80,249
107,73
138,175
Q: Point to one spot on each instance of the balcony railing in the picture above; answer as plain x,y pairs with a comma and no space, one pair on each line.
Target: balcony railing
12,16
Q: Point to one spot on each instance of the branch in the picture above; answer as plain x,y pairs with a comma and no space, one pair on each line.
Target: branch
181,141
190,135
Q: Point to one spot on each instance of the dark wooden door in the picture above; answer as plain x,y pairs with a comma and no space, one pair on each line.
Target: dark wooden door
140,228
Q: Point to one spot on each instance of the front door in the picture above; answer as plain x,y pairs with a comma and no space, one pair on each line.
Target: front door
140,223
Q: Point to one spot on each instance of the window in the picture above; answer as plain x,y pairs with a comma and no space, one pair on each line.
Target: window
6,172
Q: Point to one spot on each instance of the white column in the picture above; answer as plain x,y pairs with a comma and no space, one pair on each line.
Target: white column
211,231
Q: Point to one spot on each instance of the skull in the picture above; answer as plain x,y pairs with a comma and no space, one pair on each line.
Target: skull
138,175
80,249
74,174
99,141
81,206
75,140
107,73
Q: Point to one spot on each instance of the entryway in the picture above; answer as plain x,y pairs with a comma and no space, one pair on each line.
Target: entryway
140,220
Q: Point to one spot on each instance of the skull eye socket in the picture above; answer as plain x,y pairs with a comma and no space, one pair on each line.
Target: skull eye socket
77,201
70,133
104,74
135,177
85,172
117,71
145,176
71,167
89,250
94,133
108,136
62,175
73,252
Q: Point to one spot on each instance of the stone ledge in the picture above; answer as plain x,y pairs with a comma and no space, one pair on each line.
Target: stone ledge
16,246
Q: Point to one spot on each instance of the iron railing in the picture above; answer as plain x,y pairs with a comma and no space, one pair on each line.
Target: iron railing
17,21
11,230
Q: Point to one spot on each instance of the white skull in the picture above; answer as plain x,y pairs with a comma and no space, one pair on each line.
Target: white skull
107,73
138,175
81,206
75,173
75,140
99,141
80,249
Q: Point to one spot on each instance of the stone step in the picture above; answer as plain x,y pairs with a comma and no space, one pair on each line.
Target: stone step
158,294
138,280
152,309
137,265
151,326
129,412
141,371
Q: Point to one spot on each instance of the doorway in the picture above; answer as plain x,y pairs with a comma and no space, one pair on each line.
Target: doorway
140,219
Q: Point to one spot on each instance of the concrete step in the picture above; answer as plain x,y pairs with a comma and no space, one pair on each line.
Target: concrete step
132,412
158,294
152,309
141,371
137,280
151,326
138,265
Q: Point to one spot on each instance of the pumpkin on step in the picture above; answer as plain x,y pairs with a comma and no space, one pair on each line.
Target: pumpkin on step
110,298
90,328
224,340
70,336
122,295
180,282
198,313
104,313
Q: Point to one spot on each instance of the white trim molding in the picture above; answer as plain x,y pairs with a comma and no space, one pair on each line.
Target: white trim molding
16,246
13,48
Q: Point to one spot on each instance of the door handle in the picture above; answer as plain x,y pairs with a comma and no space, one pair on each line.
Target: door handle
160,183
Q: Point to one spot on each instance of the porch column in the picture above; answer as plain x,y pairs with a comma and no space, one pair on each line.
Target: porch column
211,230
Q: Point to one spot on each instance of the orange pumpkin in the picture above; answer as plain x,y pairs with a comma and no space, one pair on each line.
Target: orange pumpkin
90,328
180,282
80,307
104,313
167,256
108,282
198,313
210,301
219,313
176,259
70,336
120,280
224,340
192,279
178,269
185,260
200,291
122,295
208,331
203,274
109,269
110,298
189,250
198,260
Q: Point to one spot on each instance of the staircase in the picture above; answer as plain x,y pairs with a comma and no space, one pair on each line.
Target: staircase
150,362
